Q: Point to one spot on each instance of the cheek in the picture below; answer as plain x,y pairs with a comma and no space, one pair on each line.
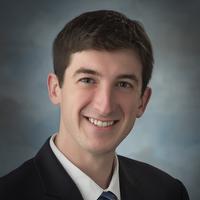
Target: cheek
130,113
129,106
74,102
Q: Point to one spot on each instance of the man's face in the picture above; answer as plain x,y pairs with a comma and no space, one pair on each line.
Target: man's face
99,100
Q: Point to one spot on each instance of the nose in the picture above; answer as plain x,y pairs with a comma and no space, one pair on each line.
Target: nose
104,101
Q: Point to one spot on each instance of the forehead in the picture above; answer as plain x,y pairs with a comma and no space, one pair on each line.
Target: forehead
107,63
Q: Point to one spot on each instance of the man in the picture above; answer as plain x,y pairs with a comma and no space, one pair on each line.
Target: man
103,63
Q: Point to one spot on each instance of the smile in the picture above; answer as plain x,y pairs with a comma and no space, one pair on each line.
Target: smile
100,123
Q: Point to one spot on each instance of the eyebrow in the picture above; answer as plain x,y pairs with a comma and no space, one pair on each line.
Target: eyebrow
84,70
128,76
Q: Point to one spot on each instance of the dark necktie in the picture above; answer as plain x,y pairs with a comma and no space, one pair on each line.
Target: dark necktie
107,196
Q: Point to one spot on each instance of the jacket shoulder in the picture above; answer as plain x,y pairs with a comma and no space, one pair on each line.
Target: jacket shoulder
23,181
152,180
138,168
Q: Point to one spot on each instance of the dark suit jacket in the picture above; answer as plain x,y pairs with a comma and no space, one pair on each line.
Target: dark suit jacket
43,178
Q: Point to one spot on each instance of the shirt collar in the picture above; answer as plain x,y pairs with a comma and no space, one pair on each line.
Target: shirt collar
82,180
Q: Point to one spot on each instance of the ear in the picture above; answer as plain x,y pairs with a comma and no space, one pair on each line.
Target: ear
54,89
144,101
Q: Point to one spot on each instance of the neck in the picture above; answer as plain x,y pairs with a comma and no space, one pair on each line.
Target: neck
99,170
99,167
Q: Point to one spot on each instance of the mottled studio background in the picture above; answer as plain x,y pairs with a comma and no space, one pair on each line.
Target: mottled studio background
168,136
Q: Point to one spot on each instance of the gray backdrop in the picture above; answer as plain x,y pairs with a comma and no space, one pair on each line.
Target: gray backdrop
168,134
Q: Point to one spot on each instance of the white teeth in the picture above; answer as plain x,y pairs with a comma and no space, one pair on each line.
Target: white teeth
101,123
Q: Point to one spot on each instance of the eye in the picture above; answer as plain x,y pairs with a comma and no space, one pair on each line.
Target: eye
124,84
87,80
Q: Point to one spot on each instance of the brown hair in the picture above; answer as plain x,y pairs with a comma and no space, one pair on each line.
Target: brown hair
102,30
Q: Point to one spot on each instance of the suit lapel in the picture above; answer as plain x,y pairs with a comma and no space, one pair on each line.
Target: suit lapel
56,181
128,185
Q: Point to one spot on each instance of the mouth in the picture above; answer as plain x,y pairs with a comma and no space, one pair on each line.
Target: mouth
100,123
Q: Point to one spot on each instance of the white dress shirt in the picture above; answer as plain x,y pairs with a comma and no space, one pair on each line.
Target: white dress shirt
87,187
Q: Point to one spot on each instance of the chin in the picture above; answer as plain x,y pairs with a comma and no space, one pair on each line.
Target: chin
102,148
